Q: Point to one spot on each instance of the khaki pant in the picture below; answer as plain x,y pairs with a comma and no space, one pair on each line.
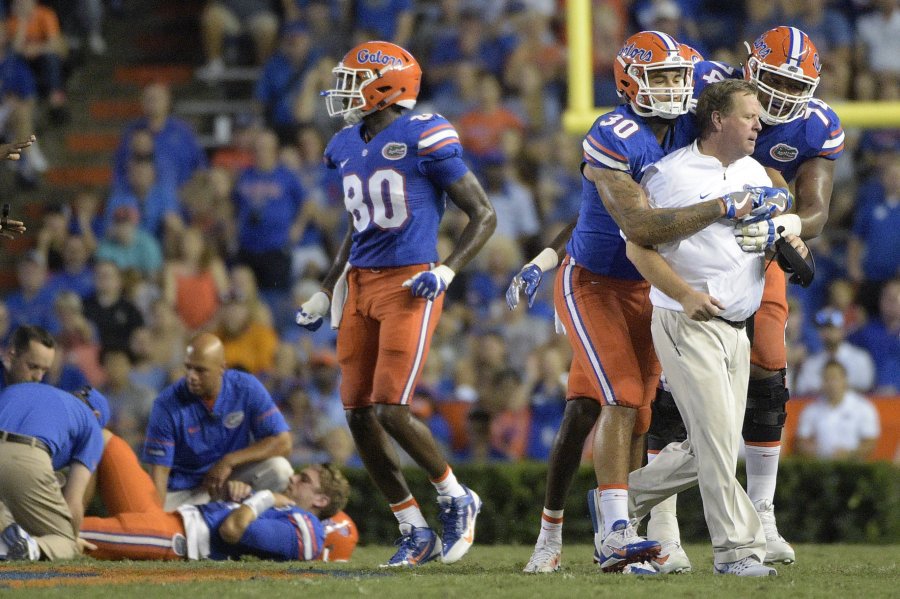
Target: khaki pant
31,492
707,367
272,474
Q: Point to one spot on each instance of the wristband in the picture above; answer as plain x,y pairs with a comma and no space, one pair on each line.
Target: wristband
445,273
260,502
546,260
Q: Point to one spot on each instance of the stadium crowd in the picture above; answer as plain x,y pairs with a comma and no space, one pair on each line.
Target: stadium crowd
232,239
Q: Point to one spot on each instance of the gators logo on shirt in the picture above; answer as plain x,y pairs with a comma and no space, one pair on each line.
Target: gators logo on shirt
394,150
233,420
783,152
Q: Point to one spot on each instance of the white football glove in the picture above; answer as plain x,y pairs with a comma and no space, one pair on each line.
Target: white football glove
760,236
310,314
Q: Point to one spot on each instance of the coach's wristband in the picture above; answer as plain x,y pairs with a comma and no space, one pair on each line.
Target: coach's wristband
260,502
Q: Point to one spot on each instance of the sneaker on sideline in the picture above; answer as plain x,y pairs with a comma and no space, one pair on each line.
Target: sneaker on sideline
777,549
749,566
416,546
457,518
671,559
545,558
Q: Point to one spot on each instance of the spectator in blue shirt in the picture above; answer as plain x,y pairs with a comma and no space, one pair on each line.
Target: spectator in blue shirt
881,337
33,302
214,425
389,20
173,138
43,429
76,274
279,87
154,196
29,357
873,256
268,198
129,246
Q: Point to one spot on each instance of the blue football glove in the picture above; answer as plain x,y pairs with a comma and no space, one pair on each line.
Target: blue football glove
311,313
768,202
738,204
528,280
430,283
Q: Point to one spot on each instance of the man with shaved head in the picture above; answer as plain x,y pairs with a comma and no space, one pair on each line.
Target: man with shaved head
214,425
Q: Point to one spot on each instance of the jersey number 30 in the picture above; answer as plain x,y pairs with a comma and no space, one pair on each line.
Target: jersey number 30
382,200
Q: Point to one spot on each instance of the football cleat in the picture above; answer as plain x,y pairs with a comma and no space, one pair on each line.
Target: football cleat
671,559
416,546
546,557
749,566
20,545
623,546
777,549
620,547
457,518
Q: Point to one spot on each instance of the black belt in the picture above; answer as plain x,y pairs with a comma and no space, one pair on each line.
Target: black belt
25,440
740,324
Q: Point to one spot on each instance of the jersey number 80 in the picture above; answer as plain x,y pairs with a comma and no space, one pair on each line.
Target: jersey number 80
381,200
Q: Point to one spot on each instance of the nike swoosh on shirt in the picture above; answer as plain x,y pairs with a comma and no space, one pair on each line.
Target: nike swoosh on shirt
703,196
344,162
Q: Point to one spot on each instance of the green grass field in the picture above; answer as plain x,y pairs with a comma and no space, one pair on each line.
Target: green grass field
839,571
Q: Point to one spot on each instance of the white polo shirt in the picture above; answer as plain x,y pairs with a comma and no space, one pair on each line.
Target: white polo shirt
838,427
709,261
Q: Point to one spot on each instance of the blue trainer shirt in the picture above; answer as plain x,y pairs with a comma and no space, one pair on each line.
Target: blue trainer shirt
62,421
188,438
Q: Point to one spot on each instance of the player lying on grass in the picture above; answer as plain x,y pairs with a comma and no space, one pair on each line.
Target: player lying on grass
278,526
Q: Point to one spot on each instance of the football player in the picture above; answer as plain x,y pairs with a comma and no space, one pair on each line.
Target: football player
801,138
279,526
602,300
385,287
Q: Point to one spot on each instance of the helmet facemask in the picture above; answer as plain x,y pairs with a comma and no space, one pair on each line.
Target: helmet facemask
346,98
663,102
778,106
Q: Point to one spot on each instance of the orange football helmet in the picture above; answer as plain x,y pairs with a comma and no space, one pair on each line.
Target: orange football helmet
692,53
373,76
789,55
644,53
341,538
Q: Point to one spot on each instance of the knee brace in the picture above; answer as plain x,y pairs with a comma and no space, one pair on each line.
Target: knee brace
666,425
766,414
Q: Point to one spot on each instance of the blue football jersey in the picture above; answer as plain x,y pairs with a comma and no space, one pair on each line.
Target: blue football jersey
394,206
619,140
817,133
288,533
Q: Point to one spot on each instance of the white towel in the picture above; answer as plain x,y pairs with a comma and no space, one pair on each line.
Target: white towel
339,298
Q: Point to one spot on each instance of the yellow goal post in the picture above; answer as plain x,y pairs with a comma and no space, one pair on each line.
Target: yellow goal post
581,113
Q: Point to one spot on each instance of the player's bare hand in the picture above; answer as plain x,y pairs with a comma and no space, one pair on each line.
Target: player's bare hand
10,228
236,490
700,306
282,500
85,545
13,151
217,477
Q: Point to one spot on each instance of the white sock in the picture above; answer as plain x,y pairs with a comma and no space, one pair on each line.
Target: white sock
448,485
551,525
613,506
762,472
408,512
